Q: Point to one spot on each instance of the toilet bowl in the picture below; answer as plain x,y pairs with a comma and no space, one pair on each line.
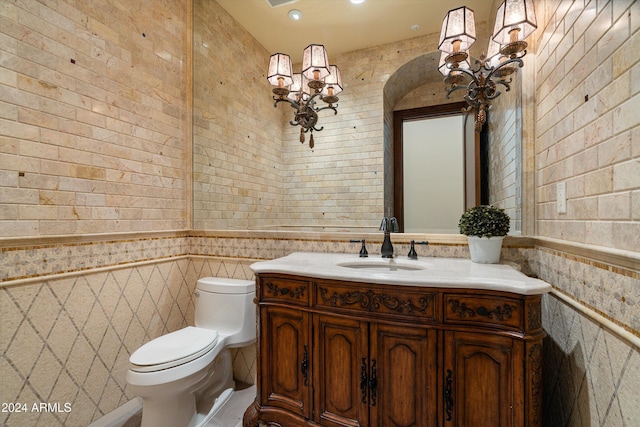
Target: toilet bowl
184,377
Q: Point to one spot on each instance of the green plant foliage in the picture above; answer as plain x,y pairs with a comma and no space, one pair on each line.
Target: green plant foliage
484,221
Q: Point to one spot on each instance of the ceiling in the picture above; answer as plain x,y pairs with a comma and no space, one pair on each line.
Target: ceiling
342,26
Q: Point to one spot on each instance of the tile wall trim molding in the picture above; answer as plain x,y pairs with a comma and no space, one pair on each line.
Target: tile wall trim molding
375,237
618,261
44,256
13,243
617,330
96,270
329,236
133,264
511,241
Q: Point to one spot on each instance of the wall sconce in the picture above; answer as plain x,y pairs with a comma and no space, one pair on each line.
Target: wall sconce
318,79
515,21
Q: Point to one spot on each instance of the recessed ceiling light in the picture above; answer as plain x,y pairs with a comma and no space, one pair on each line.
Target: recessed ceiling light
357,1
295,14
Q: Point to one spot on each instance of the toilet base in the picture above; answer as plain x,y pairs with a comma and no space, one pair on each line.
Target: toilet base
178,405
199,420
220,387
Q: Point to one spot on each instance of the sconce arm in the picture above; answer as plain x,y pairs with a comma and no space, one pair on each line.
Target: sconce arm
468,72
506,84
328,107
294,104
455,88
503,64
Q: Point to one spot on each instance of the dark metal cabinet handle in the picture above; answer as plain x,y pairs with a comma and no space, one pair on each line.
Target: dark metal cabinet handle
305,365
363,380
373,383
448,394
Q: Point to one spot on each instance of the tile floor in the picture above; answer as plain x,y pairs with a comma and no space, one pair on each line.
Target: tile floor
230,415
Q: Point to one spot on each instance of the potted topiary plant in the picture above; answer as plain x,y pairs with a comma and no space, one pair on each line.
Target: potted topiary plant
485,228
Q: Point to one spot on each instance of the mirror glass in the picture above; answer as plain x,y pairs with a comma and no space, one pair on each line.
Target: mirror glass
250,170
433,169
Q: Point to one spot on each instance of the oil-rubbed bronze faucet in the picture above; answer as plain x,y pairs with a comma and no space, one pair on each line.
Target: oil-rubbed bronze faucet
388,225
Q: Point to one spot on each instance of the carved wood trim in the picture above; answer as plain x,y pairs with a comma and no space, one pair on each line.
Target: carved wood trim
372,301
278,291
251,415
535,354
500,312
535,315
461,309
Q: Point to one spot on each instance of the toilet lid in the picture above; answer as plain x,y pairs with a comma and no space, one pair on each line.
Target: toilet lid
173,349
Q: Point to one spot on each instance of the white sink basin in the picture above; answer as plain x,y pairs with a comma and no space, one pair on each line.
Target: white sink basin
381,266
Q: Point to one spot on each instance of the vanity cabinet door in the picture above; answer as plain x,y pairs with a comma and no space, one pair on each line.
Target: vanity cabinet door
482,380
373,374
404,360
340,375
285,352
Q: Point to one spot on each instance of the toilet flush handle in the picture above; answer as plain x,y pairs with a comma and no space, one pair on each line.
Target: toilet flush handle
197,294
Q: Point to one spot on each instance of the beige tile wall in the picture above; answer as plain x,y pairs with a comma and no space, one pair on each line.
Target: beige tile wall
237,163
93,117
432,93
587,132
586,135
504,130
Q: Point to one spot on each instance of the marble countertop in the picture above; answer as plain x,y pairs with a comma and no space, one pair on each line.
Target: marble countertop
426,271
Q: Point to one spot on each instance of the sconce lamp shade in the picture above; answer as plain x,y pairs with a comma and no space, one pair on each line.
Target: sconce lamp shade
458,30
299,87
445,69
442,65
296,85
333,81
315,63
280,73
493,53
514,14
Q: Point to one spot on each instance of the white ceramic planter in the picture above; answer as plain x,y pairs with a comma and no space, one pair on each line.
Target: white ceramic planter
485,250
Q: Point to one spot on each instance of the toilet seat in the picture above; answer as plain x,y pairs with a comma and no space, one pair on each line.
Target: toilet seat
173,349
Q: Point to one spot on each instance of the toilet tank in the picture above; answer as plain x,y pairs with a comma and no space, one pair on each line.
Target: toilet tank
226,305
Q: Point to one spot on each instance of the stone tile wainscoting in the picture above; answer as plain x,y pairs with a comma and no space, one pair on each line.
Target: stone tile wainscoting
69,327
67,333
592,353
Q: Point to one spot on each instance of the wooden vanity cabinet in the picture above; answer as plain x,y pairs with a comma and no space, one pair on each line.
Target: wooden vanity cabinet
367,373
480,372
284,348
286,359
405,361
341,354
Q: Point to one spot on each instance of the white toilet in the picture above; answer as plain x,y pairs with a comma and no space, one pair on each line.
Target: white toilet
184,377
